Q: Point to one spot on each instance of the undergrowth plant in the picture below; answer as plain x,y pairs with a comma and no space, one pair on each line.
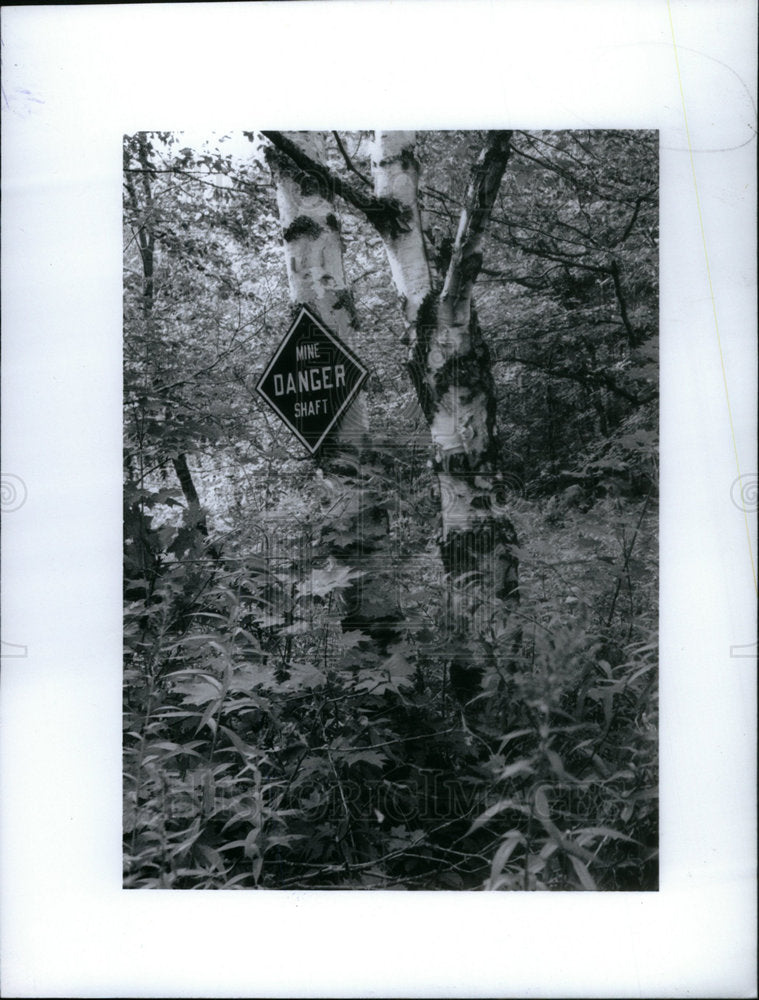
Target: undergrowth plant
307,702
267,747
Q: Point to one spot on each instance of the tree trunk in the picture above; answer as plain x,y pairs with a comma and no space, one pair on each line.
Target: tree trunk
448,360
450,367
396,176
314,259
195,515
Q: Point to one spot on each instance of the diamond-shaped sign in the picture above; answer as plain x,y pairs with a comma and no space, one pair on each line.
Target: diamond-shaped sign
311,380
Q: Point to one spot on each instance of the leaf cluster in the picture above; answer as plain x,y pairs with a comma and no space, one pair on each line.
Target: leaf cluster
265,746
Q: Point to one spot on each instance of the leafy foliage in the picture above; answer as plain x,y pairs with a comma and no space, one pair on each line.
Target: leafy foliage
266,746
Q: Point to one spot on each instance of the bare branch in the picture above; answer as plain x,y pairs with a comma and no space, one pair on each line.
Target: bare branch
537,284
348,161
599,378
386,214
632,336
629,227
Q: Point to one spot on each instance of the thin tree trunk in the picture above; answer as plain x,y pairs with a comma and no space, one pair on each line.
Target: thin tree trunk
142,206
195,514
632,337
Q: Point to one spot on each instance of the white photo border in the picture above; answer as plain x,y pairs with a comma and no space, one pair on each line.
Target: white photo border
75,80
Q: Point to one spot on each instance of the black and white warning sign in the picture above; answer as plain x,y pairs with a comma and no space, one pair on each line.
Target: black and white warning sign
311,380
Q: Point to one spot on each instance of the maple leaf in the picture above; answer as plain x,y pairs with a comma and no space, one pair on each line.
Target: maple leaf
324,581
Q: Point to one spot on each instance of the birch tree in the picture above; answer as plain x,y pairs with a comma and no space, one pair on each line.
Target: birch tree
261,748
450,366
448,362
314,261
316,277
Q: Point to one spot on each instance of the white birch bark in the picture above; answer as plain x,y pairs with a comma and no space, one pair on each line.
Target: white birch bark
448,358
316,276
314,260
396,175
450,366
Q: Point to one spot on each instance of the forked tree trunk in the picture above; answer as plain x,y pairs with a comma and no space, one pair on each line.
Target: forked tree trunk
450,367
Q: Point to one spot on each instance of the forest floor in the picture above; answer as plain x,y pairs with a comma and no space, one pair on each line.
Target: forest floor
306,759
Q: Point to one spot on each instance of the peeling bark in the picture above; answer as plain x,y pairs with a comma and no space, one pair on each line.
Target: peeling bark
314,260
466,257
386,214
448,359
450,367
396,176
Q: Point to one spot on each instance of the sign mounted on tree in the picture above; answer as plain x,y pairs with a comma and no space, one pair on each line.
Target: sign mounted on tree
311,380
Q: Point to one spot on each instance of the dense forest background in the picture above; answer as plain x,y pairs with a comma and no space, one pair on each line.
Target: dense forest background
267,745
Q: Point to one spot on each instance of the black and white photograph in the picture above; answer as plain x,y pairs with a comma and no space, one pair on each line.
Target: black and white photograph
390,509
379,499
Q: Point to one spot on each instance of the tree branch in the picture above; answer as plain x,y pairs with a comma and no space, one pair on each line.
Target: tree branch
466,258
536,285
386,214
555,167
348,161
587,378
632,336
560,258
633,220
